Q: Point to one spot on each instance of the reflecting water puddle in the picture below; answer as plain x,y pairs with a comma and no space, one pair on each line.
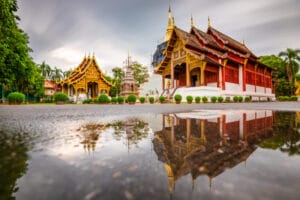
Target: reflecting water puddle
227,154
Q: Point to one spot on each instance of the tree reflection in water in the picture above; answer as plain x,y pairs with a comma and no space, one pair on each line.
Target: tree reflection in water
286,135
89,135
132,130
13,165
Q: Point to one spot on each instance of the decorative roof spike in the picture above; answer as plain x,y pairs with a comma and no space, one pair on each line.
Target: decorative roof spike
93,54
208,22
89,55
192,21
243,41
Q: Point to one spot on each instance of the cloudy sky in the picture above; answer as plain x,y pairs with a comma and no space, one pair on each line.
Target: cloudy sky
62,31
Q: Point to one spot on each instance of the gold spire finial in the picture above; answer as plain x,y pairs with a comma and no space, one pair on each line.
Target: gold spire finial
208,21
192,21
93,54
171,25
243,41
89,55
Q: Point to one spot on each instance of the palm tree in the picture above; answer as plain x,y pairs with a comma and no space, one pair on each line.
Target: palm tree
46,70
118,77
67,73
57,74
291,58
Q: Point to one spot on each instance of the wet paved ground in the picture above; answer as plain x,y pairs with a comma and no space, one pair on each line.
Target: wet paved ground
67,149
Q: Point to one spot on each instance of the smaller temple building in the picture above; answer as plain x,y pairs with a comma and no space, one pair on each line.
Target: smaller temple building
209,64
129,85
86,81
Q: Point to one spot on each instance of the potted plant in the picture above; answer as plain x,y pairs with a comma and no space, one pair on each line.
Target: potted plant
189,99
178,98
131,99
120,100
220,99
16,98
142,99
213,99
60,98
162,99
151,100
204,99
197,99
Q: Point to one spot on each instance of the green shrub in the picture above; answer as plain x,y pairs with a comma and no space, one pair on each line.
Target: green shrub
120,99
204,99
247,99
178,98
103,98
114,100
241,99
151,100
131,99
220,99
16,97
189,99
236,99
227,99
142,99
293,98
286,98
162,99
213,99
87,101
197,99
60,97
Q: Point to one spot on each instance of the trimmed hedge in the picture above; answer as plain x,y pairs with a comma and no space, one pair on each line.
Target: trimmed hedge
227,99
213,99
162,99
103,99
204,99
220,99
142,99
151,100
120,99
16,97
131,99
114,100
189,99
241,99
247,99
235,99
60,97
177,98
197,99
87,101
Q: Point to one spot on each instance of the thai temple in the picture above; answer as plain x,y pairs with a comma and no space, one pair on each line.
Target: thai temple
207,143
86,81
209,64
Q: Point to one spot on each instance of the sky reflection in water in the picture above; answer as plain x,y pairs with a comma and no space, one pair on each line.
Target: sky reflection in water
202,154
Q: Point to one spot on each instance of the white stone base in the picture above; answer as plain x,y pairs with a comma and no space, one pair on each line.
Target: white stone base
215,91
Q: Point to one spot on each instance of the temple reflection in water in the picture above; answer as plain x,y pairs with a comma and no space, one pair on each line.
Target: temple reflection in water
208,142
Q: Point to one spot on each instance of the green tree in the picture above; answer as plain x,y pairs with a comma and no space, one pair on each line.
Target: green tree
45,70
118,76
17,69
67,73
283,87
291,59
57,74
140,73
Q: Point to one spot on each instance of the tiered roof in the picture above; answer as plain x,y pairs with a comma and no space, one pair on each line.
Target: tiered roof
80,72
199,43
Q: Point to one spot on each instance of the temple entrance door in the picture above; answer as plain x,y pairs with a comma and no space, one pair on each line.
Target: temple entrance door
195,77
92,91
